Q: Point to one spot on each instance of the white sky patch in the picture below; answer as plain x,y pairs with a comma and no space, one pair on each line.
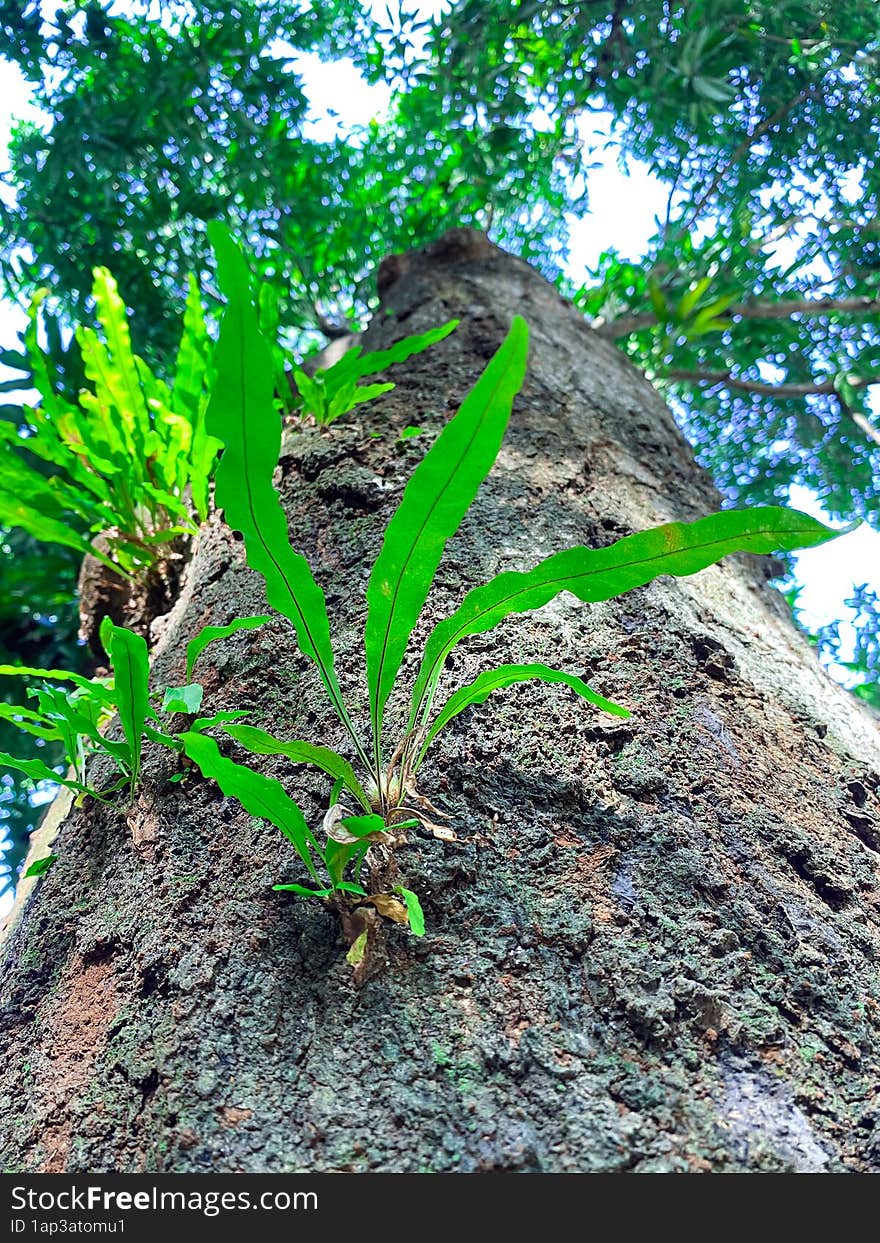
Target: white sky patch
625,203
829,573
340,99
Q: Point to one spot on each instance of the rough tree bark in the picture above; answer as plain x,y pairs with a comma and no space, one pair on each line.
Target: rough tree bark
653,945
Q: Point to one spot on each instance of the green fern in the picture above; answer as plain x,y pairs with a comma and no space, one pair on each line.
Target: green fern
244,415
129,460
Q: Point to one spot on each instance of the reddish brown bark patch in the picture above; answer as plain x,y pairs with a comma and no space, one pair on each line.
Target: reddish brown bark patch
73,1035
233,1115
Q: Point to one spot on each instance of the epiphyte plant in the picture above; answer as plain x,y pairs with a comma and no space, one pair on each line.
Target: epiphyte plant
76,711
130,460
78,718
334,391
243,416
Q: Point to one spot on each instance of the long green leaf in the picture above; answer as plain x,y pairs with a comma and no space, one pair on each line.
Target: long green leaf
75,724
484,684
304,892
434,502
191,364
30,722
191,374
54,703
48,445
219,718
357,365
261,796
363,826
40,379
96,689
334,390
338,855
413,910
38,505
37,770
593,574
40,867
258,742
209,634
16,512
130,661
243,416
120,374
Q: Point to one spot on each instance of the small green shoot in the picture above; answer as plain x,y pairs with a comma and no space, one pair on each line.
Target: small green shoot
335,391
210,634
187,699
39,867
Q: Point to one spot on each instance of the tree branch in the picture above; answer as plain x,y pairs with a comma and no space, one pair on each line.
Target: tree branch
774,119
804,306
783,309
809,388
862,423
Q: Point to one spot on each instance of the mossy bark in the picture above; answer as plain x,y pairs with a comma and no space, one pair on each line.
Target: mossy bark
653,944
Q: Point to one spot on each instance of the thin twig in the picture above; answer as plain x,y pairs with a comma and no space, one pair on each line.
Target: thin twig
809,388
784,309
758,132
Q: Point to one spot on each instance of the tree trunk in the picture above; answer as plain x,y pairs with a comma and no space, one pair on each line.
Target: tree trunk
652,944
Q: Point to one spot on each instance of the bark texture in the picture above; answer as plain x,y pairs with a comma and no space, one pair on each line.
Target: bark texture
652,947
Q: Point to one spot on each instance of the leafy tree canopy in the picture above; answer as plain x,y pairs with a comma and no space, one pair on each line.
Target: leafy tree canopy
756,302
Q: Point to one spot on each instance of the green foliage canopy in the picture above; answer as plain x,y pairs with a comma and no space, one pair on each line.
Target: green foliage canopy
756,303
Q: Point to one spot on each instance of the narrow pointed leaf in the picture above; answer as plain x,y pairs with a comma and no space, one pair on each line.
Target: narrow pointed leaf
191,364
258,742
120,373
356,365
29,722
209,634
334,390
165,740
303,891
261,796
243,416
75,721
434,502
130,662
413,910
40,867
95,689
358,949
593,574
219,718
346,886
363,826
191,376
39,371
481,688
38,770
337,857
